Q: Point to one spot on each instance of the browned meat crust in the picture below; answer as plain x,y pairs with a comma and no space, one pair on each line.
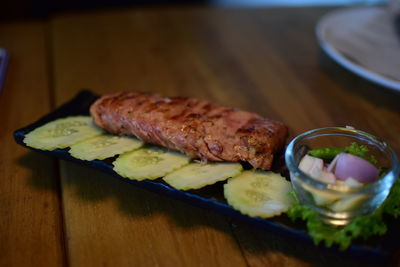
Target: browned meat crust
195,127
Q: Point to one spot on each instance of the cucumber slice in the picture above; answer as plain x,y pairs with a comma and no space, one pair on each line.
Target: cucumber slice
321,197
197,175
62,133
148,163
258,193
104,146
349,203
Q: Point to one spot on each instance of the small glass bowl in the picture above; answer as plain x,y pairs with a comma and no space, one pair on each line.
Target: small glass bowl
338,204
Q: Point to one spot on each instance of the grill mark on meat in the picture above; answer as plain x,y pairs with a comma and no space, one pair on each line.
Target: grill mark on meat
173,109
191,135
194,127
141,118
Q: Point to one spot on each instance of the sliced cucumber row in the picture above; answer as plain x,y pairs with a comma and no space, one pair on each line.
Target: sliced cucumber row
255,193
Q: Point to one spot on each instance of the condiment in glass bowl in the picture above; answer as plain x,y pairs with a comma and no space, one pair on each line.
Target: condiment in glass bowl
341,186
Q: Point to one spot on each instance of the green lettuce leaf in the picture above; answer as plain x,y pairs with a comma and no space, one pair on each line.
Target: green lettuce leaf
343,236
392,203
328,153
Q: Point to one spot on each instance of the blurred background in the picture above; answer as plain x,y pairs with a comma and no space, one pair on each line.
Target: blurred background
39,8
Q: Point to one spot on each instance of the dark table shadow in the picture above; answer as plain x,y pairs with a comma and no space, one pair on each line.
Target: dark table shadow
94,186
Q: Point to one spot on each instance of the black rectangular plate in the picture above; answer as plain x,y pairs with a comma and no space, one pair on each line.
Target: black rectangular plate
381,251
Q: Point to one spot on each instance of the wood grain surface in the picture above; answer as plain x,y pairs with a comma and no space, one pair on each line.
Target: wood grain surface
263,60
30,214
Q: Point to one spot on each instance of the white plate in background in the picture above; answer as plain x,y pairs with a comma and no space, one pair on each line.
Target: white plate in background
326,27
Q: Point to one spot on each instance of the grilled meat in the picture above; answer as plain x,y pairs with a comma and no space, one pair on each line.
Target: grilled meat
195,127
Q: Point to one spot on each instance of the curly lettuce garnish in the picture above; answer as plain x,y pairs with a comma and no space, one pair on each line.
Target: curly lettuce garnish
392,204
361,227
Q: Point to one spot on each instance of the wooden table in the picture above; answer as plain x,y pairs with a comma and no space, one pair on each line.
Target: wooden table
55,213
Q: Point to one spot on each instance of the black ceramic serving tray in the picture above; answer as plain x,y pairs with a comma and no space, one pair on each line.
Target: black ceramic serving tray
211,197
